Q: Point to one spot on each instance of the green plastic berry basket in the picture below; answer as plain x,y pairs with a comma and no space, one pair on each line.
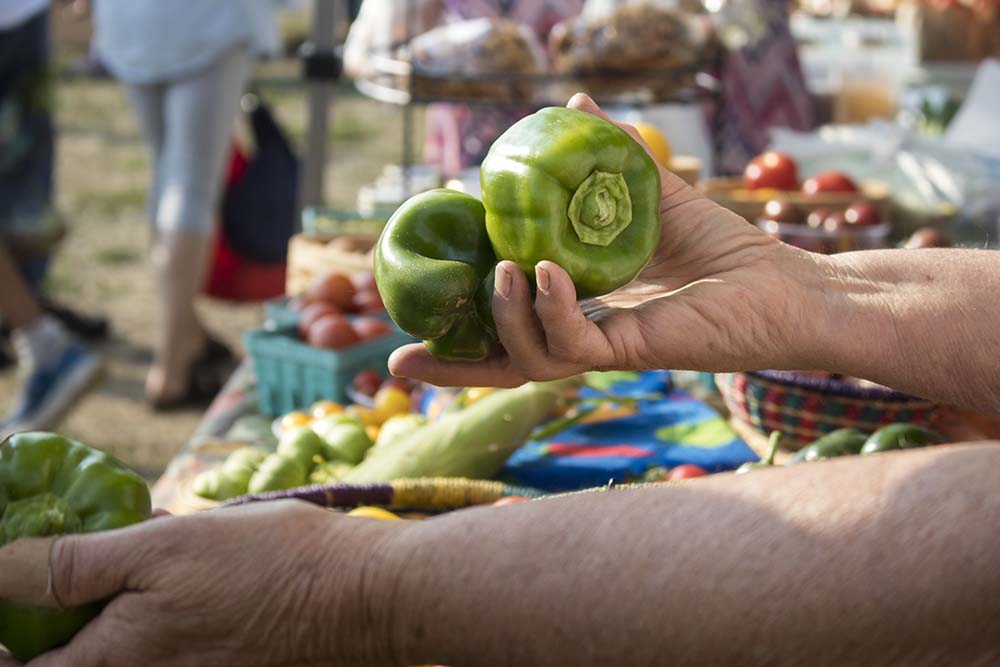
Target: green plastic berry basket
292,375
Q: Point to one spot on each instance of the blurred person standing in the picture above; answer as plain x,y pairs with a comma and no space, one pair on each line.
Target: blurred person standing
184,66
55,366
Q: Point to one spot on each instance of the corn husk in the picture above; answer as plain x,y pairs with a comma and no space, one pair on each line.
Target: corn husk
474,442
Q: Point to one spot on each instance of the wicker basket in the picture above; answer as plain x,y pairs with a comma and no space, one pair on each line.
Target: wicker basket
309,256
804,407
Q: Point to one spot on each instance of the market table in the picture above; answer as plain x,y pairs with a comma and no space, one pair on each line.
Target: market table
237,400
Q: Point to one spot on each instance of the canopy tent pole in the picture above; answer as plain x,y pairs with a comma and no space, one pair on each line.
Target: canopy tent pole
322,68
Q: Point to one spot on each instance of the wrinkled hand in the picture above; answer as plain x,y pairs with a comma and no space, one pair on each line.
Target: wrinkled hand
717,295
268,584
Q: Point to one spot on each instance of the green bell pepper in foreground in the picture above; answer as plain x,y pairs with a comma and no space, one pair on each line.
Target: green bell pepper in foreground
566,186
50,485
900,436
434,270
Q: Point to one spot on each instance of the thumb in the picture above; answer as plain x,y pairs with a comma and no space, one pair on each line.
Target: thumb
67,571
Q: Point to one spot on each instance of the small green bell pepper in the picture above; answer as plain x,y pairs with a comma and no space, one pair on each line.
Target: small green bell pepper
842,442
50,485
278,473
566,186
900,436
434,270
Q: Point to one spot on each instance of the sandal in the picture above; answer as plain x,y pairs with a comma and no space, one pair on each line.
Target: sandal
206,377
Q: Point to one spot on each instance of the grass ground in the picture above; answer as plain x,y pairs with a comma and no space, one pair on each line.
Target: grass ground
103,266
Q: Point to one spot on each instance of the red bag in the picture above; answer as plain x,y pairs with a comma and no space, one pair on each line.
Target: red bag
231,276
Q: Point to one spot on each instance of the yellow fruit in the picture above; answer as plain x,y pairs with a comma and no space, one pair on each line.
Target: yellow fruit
294,420
364,415
322,409
368,512
389,402
372,432
657,143
476,394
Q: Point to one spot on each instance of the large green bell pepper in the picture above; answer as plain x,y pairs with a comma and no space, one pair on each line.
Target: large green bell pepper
434,270
50,485
575,189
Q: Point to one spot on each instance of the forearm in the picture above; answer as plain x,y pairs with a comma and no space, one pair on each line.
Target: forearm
925,322
853,561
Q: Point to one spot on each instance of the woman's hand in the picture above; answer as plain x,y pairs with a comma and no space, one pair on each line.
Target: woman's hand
718,295
268,584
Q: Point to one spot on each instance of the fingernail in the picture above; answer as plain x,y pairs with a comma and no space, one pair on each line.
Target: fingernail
542,279
501,283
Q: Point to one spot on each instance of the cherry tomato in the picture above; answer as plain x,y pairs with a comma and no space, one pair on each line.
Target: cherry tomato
816,218
828,181
367,382
399,383
772,169
782,211
370,328
333,332
834,223
313,312
293,420
389,402
863,213
686,471
322,409
333,288
368,301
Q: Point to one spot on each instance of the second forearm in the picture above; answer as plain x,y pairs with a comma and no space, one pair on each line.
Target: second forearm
835,563
926,322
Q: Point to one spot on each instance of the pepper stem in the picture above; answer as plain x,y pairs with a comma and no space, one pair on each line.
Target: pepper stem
601,208
772,448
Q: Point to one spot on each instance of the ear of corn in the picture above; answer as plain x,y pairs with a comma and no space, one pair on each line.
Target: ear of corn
474,442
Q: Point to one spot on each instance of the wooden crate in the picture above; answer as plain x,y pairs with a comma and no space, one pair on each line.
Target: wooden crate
309,256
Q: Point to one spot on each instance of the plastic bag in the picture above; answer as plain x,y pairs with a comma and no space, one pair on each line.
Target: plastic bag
618,47
624,36
383,26
468,49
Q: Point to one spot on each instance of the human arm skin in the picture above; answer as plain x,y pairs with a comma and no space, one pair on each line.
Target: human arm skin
885,559
922,321
877,560
720,295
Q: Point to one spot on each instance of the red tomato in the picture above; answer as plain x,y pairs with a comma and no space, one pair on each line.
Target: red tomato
334,288
686,471
368,301
399,383
370,328
834,223
815,218
333,332
364,281
828,181
311,313
773,170
863,213
367,382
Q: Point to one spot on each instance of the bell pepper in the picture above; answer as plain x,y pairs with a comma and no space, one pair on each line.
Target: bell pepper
900,436
434,270
566,186
50,485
